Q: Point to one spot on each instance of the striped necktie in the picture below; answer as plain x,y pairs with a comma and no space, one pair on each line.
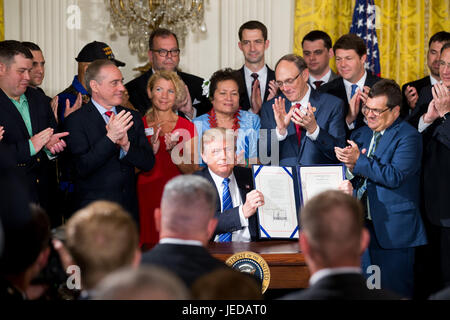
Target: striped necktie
227,204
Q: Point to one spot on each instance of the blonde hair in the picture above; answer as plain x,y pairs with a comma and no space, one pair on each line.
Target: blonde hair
101,238
180,90
220,134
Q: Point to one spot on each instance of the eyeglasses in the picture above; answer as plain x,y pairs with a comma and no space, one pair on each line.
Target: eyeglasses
442,63
365,109
287,82
164,52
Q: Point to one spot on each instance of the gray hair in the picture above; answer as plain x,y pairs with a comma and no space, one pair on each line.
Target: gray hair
93,71
296,59
144,283
188,203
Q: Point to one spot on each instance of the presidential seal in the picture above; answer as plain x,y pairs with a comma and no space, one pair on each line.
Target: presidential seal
251,263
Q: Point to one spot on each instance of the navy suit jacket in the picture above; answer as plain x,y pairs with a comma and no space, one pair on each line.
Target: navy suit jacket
37,168
137,89
188,262
244,101
330,118
100,174
229,220
393,184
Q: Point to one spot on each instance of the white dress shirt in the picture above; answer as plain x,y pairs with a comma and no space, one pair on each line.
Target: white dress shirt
348,91
304,106
325,79
181,241
242,235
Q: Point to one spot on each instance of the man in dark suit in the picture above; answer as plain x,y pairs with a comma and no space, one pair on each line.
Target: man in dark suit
436,178
332,239
411,90
317,52
233,186
383,164
307,124
256,79
28,121
164,54
186,222
351,54
107,142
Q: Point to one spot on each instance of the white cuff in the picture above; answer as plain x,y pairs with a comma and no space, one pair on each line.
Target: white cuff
244,220
350,126
313,136
279,136
422,125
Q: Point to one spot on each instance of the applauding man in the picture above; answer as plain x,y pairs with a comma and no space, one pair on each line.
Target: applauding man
107,141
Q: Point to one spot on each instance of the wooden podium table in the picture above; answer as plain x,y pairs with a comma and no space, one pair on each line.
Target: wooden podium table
287,265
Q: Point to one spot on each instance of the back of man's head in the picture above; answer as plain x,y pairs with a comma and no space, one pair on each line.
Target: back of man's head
101,238
333,225
187,208
144,283
11,48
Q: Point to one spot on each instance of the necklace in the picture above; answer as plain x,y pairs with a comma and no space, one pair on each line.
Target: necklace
213,121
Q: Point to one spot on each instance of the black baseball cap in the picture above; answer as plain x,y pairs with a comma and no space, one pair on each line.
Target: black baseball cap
97,50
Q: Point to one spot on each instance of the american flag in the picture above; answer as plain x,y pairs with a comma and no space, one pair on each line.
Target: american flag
363,25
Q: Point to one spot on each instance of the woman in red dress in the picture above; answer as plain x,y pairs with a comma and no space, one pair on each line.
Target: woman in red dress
173,138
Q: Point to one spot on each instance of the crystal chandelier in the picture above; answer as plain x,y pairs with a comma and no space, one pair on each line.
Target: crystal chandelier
138,18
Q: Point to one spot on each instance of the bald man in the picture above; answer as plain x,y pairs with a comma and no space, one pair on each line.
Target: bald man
185,223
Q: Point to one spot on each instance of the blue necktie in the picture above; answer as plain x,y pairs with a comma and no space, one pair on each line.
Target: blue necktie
227,204
376,139
354,87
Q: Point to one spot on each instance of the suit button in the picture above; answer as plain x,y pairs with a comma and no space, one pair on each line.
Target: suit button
38,159
37,180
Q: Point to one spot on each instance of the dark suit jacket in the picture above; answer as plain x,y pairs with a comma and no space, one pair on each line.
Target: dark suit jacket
244,101
100,174
347,286
419,85
37,168
393,184
436,172
330,118
229,220
425,97
186,261
137,89
337,89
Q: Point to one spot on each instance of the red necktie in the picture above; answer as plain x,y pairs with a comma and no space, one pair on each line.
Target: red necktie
298,129
109,113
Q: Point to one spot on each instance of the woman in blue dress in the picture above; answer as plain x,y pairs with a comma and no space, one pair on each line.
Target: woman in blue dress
226,113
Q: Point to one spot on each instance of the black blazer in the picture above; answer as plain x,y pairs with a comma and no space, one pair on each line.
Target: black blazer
347,286
425,97
337,88
137,89
419,85
436,172
229,220
186,261
99,173
37,168
244,101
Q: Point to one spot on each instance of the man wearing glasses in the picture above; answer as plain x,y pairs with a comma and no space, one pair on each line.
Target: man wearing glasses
164,54
383,163
306,123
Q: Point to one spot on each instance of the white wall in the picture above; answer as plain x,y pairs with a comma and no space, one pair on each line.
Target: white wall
49,24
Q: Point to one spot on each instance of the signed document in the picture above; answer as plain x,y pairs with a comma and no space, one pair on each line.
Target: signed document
278,217
316,179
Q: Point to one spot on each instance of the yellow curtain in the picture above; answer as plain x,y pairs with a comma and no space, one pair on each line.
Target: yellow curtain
2,22
404,28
